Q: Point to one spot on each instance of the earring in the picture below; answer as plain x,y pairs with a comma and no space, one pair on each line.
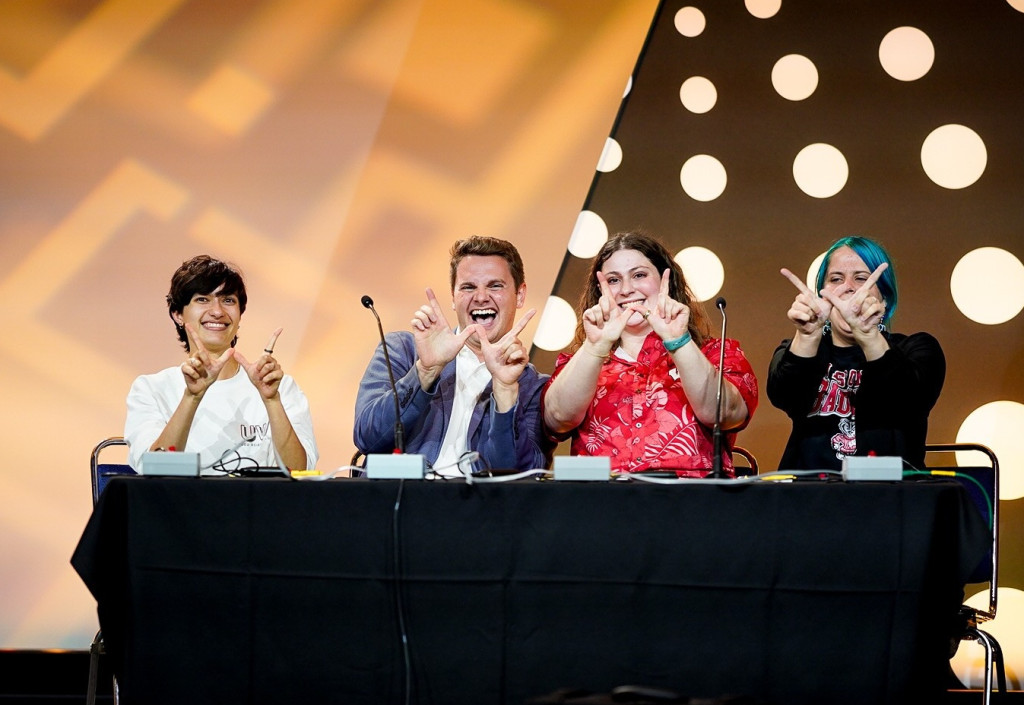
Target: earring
826,329
881,327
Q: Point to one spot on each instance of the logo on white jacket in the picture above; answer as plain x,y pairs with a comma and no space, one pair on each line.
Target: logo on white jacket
255,431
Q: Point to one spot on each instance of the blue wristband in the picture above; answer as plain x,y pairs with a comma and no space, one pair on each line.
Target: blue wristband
673,345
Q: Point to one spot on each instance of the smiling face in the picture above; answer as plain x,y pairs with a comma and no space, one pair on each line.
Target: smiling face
485,294
214,317
202,277
632,279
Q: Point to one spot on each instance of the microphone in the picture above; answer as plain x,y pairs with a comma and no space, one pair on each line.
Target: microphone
716,462
399,427
397,465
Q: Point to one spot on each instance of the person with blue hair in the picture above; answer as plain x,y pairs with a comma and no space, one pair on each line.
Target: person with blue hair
849,385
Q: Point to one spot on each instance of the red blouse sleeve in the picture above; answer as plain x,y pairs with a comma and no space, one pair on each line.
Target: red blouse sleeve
737,370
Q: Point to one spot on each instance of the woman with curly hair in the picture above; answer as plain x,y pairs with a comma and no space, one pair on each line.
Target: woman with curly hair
639,383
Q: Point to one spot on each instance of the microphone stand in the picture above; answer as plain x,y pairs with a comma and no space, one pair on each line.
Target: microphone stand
399,426
716,461
401,467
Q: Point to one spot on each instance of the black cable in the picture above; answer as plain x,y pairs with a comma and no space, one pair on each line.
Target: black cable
396,547
233,463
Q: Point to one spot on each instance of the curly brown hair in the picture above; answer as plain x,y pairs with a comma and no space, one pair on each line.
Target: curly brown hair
699,327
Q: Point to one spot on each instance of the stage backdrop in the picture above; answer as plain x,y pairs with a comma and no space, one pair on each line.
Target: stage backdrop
335,148
330,148
754,134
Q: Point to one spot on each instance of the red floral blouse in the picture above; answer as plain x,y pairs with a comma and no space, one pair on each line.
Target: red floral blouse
641,418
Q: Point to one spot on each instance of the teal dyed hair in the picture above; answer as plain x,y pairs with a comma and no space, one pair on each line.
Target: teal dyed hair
873,255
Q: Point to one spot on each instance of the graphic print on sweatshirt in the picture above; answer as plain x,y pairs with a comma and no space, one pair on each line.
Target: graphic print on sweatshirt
835,398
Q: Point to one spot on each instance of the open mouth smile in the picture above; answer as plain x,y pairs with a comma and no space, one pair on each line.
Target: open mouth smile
483,315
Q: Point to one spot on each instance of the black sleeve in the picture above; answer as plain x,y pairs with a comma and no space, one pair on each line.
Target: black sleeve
793,381
907,378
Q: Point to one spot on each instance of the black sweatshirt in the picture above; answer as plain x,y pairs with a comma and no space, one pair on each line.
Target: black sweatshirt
841,404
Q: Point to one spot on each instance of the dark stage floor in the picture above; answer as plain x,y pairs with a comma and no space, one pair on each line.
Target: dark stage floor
59,677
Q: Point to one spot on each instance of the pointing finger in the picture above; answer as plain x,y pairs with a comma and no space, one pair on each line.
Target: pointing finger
431,297
193,339
603,285
605,301
437,313
518,327
663,295
833,300
865,288
797,282
269,349
465,335
434,305
870,281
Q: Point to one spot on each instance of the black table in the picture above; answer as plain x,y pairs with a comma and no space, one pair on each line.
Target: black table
275,591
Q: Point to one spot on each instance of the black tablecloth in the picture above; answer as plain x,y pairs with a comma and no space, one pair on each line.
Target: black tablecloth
275,591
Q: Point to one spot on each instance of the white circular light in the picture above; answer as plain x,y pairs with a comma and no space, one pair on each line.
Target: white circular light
763,9
702,270
557,325
987,285
954,156
629,86
997,425
906,53
812,272
689,21
794,77
698,94
611,156
588,235
820,170
1017,5
969,661
703,177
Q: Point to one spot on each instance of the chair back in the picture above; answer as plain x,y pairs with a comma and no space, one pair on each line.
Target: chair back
357,464
102,472
982,485
748,458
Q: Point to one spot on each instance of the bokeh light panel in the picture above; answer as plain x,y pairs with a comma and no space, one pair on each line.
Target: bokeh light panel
757,134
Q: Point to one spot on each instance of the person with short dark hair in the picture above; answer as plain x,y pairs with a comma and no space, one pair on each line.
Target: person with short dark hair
462,389
849,385
243,415
640,381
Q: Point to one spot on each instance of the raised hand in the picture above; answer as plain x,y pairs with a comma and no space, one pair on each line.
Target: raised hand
863,311
264,372
808,312
436,344
201,369
603,323
670,319
507,358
